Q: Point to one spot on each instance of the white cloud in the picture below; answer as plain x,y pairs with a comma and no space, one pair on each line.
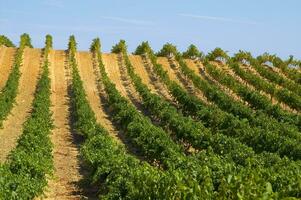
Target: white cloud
129,21
220,19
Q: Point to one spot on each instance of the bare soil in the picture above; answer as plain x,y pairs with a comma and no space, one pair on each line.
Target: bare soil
172,68
6,63
88,72
111,65
230,72
144,69
68,174
137,63
166,66
12,126
65,183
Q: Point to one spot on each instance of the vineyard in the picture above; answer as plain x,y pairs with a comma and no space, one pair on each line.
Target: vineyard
147,125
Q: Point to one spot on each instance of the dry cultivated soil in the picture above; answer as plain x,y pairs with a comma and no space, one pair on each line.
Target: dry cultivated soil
12,126
69,172
6,63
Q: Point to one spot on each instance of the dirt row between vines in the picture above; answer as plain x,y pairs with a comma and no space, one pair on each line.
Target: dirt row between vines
211,80
144,69
67,174
90,76
231,73
111,66
176,75
281,73
6,63
12,126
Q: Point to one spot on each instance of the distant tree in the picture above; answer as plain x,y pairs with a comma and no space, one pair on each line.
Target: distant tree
95,46
119,47
72,43
266,59
26,40
218,55
193,53
278,62
142,48
292,62
5,41
168,50
48,41
243,57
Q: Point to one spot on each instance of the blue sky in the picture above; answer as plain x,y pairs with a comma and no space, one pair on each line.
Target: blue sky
253,25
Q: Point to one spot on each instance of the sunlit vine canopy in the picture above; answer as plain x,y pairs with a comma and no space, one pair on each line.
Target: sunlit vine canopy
218,55
193,52
168,50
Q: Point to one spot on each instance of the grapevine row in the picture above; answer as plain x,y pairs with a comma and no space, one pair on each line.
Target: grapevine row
181,125
200,137
274,77
225,102
5,41
193,105
24,174
282,94
288,67
123,176
218,174
185,127
254,98
293,74
9,91
261,138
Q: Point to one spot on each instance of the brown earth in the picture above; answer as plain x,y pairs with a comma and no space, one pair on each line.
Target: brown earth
88,72
137,63
116,70
6,63
64,184
191,64
68,173
165,64
230,72
281,73
12,126
111,66
127,84
144,69
176,75
195,66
